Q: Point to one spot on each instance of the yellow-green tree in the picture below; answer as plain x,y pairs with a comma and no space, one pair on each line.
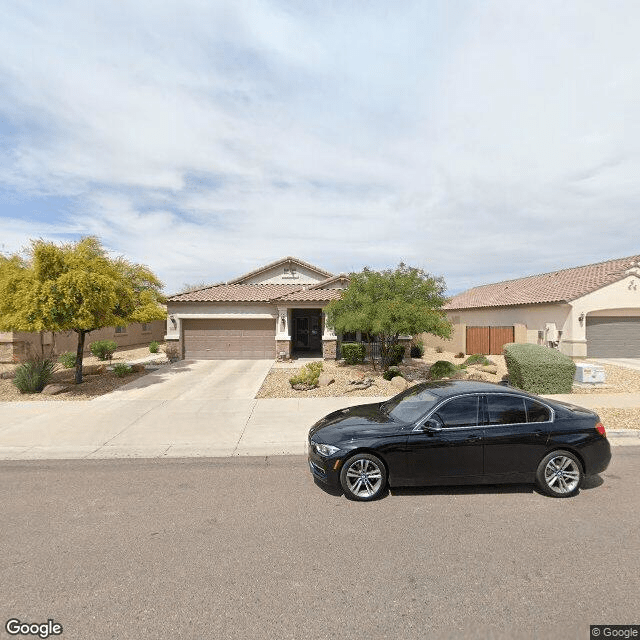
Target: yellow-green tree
75,287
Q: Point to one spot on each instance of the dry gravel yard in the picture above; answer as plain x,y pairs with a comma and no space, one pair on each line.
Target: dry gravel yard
92,385
276,384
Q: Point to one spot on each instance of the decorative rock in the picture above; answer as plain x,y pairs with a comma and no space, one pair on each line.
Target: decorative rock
54,389
302,387
8,374
325,380
489,369
93,369
137,368
399,382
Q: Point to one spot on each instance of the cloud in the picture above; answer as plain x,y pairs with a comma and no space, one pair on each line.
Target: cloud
480,141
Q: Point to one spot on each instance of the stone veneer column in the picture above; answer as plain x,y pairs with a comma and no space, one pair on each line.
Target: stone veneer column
283,334
329,341
283,349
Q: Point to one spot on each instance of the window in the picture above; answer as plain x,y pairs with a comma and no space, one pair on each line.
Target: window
146,326
459,412
120,329
506,409
410,405
290,272
537,412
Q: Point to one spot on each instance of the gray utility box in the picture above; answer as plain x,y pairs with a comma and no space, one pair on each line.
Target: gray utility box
588,373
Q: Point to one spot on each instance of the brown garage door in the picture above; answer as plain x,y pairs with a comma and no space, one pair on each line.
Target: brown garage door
229,339
613,337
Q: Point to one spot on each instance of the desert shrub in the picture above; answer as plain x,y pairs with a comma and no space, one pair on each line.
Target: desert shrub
391,373
68,359
34,375
353,352
417,349
309,374
121,369
103,349
459,355
539,369
439,349
395,355
153,347
478,358
443,369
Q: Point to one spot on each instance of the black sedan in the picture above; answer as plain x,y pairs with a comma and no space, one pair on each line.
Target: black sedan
458,432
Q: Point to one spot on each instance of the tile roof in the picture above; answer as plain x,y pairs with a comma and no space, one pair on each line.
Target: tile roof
237,293
558,286
311,295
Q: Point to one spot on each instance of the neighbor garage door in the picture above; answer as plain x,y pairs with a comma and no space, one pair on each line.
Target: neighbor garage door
227,339
613,337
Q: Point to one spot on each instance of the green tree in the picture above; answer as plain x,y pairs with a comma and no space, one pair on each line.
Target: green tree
389,304
75,287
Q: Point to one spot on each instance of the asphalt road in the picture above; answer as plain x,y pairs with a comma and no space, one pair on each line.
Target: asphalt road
252,548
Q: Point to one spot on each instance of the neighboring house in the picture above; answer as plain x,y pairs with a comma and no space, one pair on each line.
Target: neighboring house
275,311
589,311
18,345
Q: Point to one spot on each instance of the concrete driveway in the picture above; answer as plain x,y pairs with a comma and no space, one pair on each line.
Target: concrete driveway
191,408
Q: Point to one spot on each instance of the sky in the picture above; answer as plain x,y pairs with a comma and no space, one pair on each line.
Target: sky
479,141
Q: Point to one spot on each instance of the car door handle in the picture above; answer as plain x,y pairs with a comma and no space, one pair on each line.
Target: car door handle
472,439
538,433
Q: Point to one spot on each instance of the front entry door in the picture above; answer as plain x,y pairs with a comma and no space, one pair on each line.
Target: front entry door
452,453
307,333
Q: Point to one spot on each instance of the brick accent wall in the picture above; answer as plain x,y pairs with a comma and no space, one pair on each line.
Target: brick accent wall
283,345
407,347
329,349
173,349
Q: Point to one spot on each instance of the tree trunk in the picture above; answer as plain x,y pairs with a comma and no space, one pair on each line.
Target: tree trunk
79,354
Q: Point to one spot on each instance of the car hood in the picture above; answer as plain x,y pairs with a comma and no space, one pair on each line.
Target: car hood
344,422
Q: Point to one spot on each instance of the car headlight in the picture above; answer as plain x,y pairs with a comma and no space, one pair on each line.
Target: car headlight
325,450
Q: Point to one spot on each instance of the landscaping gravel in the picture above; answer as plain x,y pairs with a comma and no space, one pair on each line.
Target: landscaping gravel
619,418
91,387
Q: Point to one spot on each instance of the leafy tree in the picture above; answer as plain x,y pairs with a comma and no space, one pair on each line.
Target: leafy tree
75,287
389,304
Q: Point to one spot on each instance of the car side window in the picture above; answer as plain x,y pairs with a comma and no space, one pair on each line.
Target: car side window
459,412
504,409
537,412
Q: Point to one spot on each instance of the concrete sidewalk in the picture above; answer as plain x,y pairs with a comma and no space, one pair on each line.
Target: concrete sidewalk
190,409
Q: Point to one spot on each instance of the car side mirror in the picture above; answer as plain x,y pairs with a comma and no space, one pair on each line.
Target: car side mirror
432,424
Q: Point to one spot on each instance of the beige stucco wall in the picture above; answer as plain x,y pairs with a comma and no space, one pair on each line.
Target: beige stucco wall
621,298
276,276
20,343
179,311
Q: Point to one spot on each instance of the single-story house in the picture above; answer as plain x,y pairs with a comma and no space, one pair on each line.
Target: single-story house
589,311
16,346
275,311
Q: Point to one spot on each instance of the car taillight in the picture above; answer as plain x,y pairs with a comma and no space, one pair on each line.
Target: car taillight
601,430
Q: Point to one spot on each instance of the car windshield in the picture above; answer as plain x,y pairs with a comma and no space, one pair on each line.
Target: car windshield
410,405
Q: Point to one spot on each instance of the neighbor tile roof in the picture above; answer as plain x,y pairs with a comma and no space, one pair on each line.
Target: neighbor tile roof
558,286
237,293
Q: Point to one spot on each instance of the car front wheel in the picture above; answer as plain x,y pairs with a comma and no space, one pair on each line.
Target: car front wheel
559,474
363,477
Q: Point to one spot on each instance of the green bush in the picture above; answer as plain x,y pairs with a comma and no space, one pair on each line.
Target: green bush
391,373
153,347
121,369
309,374
34,375
103,349
395,355
353,352
68,359
539,369
478,358
443,369
417,349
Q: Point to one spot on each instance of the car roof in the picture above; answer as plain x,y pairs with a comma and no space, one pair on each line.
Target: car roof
446,388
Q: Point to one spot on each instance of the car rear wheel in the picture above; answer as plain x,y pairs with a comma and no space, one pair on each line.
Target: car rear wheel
363,477
559,474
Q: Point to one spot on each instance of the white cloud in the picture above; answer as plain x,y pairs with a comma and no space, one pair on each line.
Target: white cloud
477,140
